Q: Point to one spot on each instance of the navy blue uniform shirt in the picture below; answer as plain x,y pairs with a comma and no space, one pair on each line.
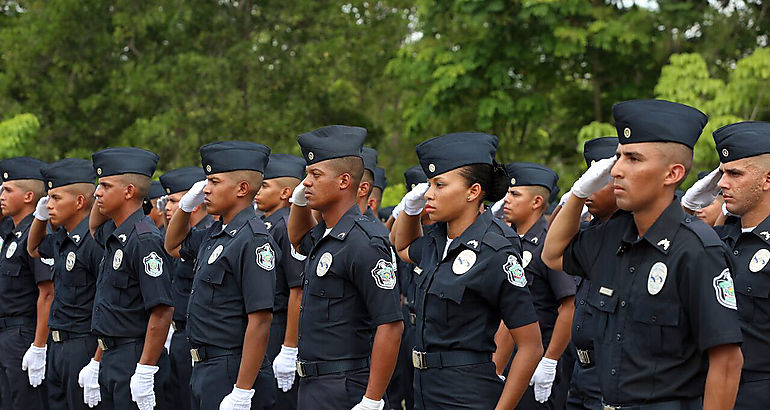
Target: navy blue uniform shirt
182,276
290,266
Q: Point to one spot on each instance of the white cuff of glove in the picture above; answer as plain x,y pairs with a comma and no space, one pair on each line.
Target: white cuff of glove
298,195
369,404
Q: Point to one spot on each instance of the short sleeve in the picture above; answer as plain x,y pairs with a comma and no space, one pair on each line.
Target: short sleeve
506,289
374,275
46,249
153,269
562,285
192,243
42,271
306,243
292,262
258,261
583,250
415,249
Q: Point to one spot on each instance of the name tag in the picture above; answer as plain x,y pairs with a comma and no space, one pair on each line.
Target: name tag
606,291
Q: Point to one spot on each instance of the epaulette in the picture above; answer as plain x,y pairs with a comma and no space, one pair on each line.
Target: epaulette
496,241
369,227
705,233
257,226
145,226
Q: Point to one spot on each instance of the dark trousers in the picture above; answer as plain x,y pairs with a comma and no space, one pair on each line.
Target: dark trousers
65,360
284,400
753,395
213,379
333,391
474,386
14,382
118,365
584,391
181,368
401,387
558,398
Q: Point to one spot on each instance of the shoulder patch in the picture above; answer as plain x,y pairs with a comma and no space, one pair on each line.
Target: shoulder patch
257,226
144,226
705,233
496,241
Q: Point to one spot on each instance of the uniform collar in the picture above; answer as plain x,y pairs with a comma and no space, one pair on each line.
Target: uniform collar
345,224
662,232
535,234
471,238
278,215
122,232
23,225
235,225
762,231
207,221
79,233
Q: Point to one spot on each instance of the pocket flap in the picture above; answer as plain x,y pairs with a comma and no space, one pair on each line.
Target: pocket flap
327,287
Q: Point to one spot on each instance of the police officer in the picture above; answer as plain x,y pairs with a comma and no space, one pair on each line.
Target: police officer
175,184
553,292
282,174
469,278
231,301
375,198
366,186
584,392
76,256
133,303
350,304
667,334
744,180
26,290
150,205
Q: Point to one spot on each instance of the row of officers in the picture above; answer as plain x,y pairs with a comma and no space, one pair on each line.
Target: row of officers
266,281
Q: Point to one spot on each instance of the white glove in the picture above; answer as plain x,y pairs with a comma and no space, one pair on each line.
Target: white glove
564,198
88,379
33,363
238,399
414,201
369,404
41,209
142,383
160,204
497,209
397,209
542,379
285,367
298,195
193,197
703,192
594,179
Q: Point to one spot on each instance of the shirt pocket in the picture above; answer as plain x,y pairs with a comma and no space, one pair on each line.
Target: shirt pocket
450,308
74,278
121,283
211,283
656,329
603,306
752,291
328,292
11,275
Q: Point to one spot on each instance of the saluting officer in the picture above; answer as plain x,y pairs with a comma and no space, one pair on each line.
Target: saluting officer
175,184
282,174
744,181
350,307
133,303
231,301
26,290
667,334
469,277
76,256
553,292
584,393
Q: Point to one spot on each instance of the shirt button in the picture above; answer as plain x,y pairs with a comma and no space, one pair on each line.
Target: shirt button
208,247
312,257
617,336
192,291
631,269
601,303
577,327
654,318
441,294
612,372
323,292
622,303
736,252
305,281
748,289
582,302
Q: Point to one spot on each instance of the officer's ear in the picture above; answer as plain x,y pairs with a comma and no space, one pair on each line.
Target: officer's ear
286,192
474,192
364,188
243,189
346,180
29,197
371,203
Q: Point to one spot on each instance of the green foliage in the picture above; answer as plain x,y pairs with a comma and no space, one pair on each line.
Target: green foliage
393,194
15,131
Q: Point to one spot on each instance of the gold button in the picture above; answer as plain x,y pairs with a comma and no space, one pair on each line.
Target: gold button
432,168
50,184
513,181
168,190
725,153
98,171
208,168
310,155
627,132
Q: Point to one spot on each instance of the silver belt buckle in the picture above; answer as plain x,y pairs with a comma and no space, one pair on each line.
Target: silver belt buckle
195,355
56,336
583,356
608,407
301,369
418,360
101,344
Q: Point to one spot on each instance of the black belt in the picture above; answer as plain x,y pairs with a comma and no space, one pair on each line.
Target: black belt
586,358
62,335
203,353
430,360
16,321
107,343
308,369
689,404
178,325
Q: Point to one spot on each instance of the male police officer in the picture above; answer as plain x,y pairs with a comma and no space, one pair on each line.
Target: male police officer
350,280
152,210
26,290
76,256
667,332
133,304
231,301
744,180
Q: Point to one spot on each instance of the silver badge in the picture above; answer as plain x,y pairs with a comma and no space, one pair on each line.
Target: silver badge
657,278
759,260
432,168
153,265
324,263
464,262
473,243
310,155
265,257
117,259
526,258
627,132
70,263
11,250
214,255
418,270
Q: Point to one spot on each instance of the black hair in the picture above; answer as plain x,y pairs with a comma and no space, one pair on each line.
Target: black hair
492,178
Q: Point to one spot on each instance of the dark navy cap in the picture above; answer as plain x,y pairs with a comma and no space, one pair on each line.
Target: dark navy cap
599,148
21,168
380,181
413,176
447,152
658,121
702,174
181,179
333,141
285,165
384,213
156,190
554,193
124,160
227,156
369,155
742,140
68,171
531,174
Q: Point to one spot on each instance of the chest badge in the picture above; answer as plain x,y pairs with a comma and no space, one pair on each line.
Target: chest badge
153,265
657,278
526,258
117,259
464,262
759,260
723,285
384,274
70,262
515,272
265,257
11,250
214,255
324,263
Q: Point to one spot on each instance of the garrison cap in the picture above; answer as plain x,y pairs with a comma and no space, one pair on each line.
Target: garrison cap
68,171
156,190
599,148
413,176
742,140
285,165
369,155
384,213
447,152
181,179
658,121
124,160
380,181
333,141
21,168
227,156
531,174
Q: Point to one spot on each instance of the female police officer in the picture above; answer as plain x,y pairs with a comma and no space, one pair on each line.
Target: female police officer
469,278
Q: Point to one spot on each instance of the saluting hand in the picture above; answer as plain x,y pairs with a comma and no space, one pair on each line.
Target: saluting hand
193,197
41,209
594,179
703,192
414,201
